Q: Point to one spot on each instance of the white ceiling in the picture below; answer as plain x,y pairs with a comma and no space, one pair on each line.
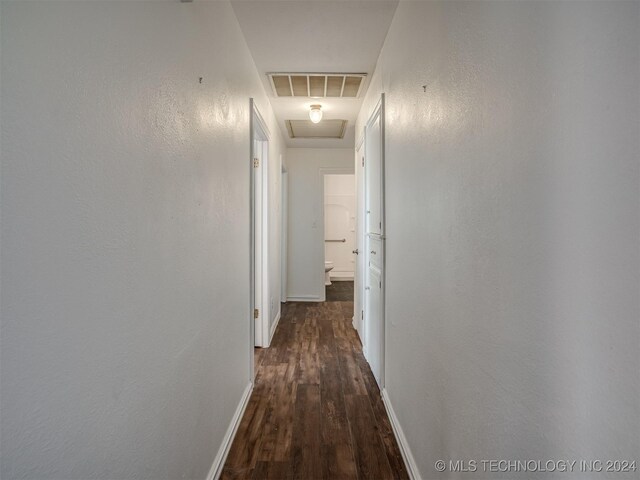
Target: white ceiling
315,36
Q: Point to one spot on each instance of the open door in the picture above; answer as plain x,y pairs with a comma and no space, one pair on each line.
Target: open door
360,272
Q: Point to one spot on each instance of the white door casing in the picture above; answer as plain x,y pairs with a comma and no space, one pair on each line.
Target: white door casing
284,234
259,231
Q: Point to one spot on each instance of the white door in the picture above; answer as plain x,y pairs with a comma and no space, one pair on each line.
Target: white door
374,243
373,174
374,314
359,279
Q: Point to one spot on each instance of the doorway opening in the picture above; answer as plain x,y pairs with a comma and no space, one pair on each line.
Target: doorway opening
339,200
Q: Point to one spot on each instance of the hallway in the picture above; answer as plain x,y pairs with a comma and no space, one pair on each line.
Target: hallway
181,179
316,411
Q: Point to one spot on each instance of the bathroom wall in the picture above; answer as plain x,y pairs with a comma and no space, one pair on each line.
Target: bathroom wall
305,265
513,231
339,223
124,237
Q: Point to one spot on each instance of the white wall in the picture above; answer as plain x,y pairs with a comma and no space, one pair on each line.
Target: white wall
339,223
125,236
305,263
513,258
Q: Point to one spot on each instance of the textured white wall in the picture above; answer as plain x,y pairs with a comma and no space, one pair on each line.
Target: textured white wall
305,262
125,236
513,251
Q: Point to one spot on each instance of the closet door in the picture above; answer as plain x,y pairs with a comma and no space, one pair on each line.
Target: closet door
373,174
375,316
374,324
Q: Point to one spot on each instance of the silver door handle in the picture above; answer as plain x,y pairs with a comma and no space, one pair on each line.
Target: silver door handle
355,251
373,251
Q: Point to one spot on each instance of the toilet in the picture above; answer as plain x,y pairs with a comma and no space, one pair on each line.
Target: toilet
328,266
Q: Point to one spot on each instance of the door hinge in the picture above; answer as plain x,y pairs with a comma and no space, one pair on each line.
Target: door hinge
380,224
256,162
363,161
256,313
380,283
362,314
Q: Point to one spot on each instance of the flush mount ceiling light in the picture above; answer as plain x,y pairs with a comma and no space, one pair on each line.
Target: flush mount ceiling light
331,128
315,113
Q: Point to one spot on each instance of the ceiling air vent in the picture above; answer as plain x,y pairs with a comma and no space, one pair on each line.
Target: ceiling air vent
317,85
324,129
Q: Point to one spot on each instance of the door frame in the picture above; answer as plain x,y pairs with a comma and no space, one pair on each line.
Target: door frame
284,232
327,171
259,231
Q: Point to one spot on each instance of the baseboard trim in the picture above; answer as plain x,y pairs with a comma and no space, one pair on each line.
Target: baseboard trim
305,298
342,278
274,326
221,457
407,456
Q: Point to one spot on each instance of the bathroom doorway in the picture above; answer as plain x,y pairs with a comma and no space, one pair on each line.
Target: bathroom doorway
339,203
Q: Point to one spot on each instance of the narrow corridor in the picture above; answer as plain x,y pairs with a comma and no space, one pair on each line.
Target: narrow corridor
316,411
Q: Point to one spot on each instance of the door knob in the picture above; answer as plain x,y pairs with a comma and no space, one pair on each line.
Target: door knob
355,251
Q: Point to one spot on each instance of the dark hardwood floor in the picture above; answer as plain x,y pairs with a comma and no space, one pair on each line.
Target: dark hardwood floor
316,410
339,292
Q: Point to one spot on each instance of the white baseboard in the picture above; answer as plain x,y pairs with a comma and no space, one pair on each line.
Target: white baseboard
342,277
407,456
221,457
304,298
274,326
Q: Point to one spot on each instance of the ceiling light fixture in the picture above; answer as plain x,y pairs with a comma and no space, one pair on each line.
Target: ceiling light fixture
315,113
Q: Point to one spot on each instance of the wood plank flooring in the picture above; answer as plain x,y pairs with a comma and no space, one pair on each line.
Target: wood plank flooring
339,291
316,410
